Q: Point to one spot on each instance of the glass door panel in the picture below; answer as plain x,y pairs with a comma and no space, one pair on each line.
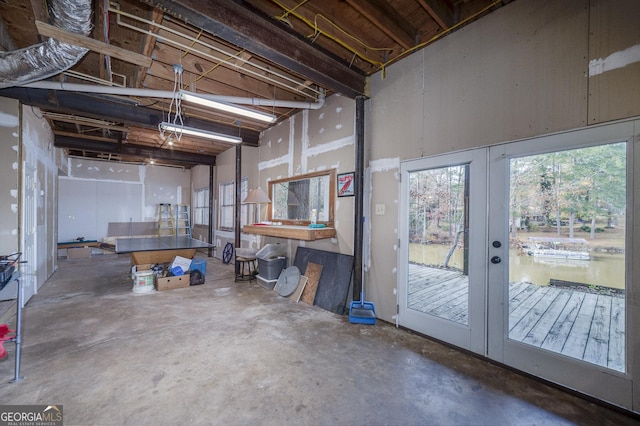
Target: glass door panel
438,247
560,291
567,253
442,274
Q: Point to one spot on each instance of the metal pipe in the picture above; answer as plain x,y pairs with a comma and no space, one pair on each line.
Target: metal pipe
238,201
168,94
18,339
262,75
212,171
358,231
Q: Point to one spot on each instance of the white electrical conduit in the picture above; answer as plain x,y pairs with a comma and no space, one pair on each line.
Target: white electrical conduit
194,40
168,94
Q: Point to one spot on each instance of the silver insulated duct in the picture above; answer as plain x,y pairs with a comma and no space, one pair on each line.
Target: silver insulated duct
47,59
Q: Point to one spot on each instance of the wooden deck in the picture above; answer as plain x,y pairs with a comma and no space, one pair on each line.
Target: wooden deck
578,324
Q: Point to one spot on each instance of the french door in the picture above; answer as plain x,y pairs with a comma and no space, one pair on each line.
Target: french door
522,253
442,282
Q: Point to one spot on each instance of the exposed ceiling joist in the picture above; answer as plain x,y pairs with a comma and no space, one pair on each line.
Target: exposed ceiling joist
291,52
439,11
133,150
384,18
248,29
113,109
6,43
93,44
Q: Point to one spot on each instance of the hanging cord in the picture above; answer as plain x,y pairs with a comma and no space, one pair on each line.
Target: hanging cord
175,107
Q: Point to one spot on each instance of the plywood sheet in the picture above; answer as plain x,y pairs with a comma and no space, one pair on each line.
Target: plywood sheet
295,296
313,272
333,286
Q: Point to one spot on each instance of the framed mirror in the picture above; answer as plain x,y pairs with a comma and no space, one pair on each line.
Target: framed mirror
303,199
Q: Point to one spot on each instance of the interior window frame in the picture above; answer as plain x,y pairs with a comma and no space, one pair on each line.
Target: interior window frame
305,222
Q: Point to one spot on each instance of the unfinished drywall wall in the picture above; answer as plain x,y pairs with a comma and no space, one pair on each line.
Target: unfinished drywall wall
520,72
27,191
39,160
312,140
614,60
99,192
9,160
200,180
226,172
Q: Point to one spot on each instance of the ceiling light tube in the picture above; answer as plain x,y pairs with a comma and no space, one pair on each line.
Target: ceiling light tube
199,133
223,106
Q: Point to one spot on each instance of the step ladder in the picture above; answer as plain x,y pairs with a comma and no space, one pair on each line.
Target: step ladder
166,224
183,221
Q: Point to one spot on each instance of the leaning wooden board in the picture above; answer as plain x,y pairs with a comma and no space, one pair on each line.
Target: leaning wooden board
333,286
295,296
313,273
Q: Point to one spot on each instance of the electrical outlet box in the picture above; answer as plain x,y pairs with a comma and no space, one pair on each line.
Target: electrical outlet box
379,209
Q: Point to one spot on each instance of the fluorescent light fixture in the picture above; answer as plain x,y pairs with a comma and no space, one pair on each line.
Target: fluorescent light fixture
199,133
227,107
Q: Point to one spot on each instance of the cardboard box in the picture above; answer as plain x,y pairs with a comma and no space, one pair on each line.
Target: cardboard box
170,283
79,253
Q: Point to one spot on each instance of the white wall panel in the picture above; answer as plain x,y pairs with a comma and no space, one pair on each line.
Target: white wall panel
614,60
517,73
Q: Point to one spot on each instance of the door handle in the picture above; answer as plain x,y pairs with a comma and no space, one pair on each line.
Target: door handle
495,260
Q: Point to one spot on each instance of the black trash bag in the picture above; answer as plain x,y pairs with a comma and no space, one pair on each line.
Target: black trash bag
196,277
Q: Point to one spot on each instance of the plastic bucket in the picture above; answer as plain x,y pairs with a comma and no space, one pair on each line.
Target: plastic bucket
200,265
143,282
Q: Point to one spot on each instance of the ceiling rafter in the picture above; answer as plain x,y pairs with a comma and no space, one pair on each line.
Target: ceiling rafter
249,30
439,11
385,18
285,50
113,147
92,44
6,42
113,109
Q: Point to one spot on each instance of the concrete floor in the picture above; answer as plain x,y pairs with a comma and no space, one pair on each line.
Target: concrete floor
235,353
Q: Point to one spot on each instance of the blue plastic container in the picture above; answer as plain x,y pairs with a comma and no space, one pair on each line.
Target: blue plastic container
200,265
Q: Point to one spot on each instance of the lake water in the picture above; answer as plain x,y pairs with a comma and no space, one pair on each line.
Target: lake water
606,270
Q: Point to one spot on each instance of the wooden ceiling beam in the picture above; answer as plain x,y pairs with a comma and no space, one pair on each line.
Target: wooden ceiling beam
251,30
149,44
220,81
439,11
113,109
387,20
92,44
143,152
74,119
6,42
199,62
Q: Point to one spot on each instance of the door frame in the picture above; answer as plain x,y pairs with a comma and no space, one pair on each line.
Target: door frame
600,382
618,388
472,336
